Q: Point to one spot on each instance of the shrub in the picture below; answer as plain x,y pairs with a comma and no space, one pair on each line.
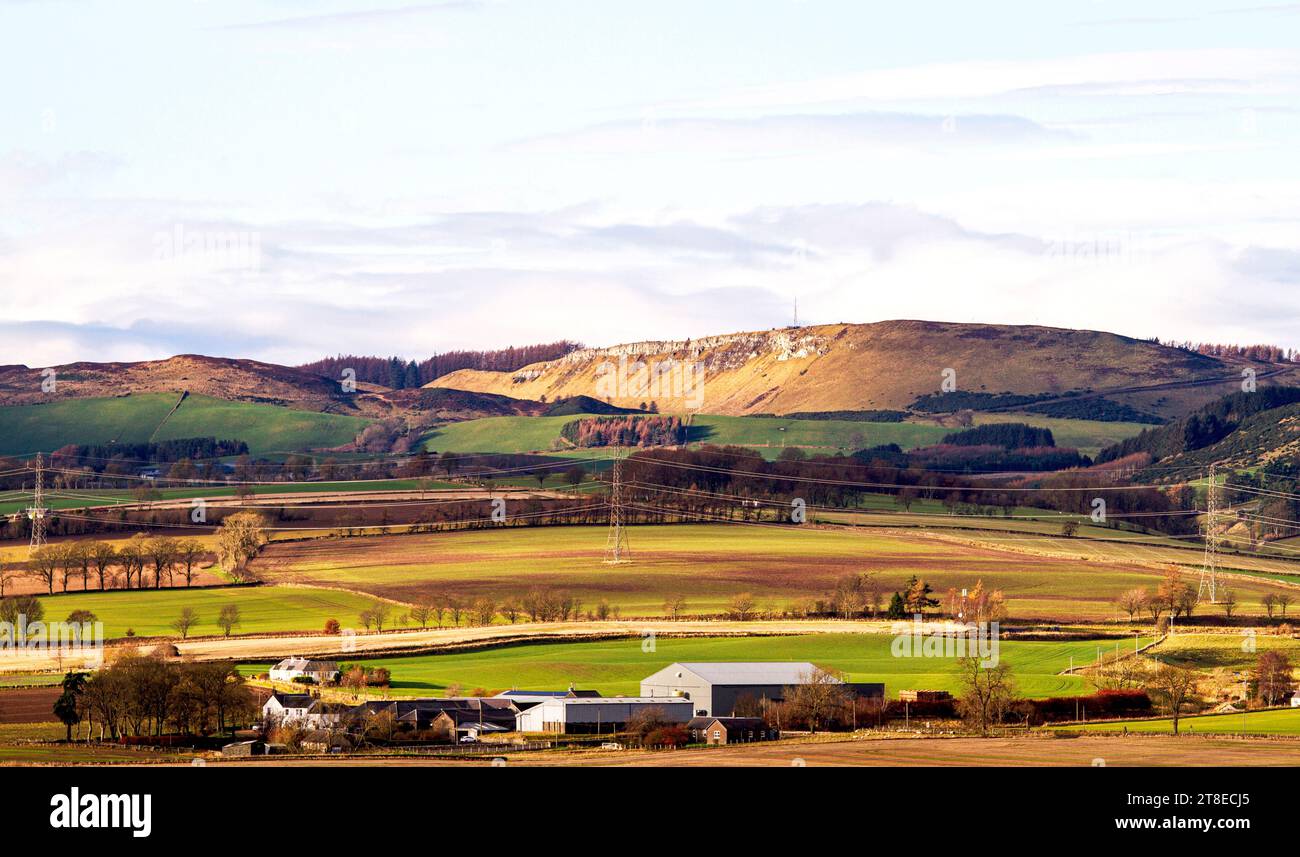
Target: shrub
673,735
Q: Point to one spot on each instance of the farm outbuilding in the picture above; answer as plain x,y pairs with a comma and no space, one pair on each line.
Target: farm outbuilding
730,730
597,715
719,689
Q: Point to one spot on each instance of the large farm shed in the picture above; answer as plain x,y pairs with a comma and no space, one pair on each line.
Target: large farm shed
715,689
597,715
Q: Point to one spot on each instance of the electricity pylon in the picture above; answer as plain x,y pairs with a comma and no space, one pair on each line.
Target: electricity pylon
37,510
616,549
1211,562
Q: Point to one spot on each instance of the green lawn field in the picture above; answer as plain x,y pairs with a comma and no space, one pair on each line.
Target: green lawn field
263,609
617,666
1272,721
708,564
134,419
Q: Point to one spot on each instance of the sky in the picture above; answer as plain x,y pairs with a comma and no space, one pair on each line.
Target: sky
287,180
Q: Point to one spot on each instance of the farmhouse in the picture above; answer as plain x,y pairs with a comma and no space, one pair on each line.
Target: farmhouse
302,709
716,689
319,672
597,715
730,730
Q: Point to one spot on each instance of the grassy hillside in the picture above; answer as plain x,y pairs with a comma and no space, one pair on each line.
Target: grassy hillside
770,434
1087,436
530,434
617,666
134,419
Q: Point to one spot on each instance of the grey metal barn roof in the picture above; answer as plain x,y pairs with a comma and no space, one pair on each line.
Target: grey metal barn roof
751,672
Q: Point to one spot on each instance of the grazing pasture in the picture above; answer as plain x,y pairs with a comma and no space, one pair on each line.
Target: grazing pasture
150,612
139,418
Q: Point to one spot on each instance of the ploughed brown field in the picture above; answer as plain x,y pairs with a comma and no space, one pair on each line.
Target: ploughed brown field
1027,751
27,704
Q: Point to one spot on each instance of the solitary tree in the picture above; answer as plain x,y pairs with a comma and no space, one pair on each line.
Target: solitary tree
184,622
229,619
1132,601
68,706
1175,687
986,692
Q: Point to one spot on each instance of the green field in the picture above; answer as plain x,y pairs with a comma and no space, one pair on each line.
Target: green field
708,564
1087,436
110,497
617,666
136,418
768,435
263,609
1273,721
538,434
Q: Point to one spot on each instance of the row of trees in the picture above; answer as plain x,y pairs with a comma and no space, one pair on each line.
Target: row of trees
400,373
141,561
1174,596
539,604
144,694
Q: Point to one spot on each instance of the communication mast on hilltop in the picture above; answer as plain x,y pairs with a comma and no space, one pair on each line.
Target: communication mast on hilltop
1210,565
37,510
616,549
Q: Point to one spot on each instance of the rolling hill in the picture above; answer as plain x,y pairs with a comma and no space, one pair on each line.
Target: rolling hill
215,377
886,365
150,416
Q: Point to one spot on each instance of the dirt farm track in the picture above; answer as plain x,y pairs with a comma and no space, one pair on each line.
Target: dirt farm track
1036,751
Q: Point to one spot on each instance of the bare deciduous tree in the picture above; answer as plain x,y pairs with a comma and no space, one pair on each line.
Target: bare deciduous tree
986,692
1175,687
818,699
184,622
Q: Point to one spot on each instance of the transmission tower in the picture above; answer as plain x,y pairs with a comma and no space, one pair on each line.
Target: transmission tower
1210,565
616,549
37,511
